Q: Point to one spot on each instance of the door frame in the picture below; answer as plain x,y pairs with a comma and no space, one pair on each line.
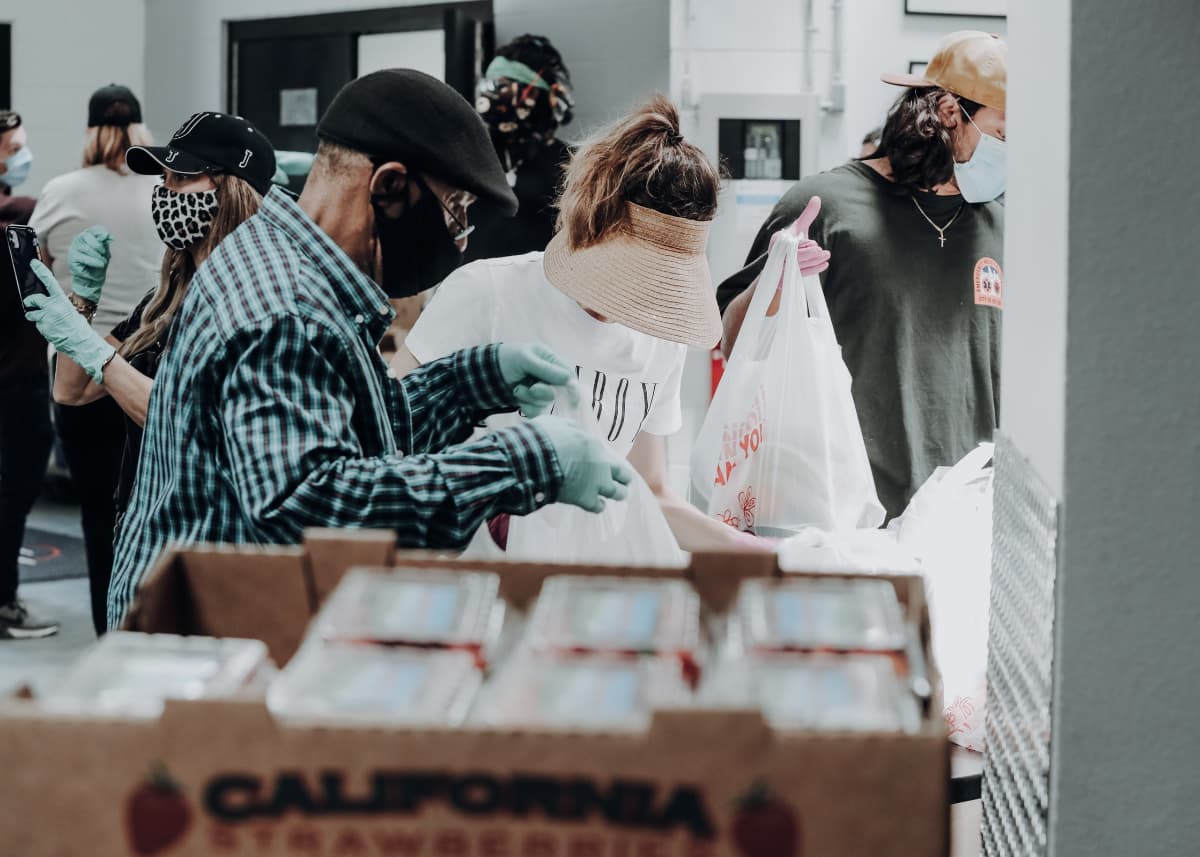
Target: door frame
397,19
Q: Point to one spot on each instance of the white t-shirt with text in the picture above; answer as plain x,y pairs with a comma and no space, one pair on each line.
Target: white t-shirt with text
632,379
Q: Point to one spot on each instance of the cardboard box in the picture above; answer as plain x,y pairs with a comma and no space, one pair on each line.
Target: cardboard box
695,784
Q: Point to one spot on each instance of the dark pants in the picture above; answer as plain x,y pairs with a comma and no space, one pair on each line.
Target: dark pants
25,441
93,440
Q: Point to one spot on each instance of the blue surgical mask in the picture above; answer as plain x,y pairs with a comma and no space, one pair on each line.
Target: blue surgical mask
18,167
981,179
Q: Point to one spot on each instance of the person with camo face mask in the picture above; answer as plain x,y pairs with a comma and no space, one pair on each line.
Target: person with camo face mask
215,171
524,97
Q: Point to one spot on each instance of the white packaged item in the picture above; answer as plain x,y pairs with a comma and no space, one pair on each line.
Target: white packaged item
580,692
370,684
872,551
781,447
807,614
615,614
632,531
948,525
131,674
854,692
416,607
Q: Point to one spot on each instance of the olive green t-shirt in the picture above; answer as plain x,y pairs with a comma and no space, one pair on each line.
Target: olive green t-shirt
919,323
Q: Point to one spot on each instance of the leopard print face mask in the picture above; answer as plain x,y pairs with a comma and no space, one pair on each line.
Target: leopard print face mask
183,219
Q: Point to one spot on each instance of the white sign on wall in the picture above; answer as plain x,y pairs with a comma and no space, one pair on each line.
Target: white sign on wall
297,108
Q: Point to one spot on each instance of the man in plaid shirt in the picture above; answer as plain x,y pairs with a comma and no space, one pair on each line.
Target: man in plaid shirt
273,411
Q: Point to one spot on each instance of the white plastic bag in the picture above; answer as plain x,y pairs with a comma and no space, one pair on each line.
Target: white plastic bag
781,448
632,531
948,525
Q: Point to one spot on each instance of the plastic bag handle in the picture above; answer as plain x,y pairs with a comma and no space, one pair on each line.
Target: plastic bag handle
780,252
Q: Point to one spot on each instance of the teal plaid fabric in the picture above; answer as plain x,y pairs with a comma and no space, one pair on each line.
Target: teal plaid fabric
273,411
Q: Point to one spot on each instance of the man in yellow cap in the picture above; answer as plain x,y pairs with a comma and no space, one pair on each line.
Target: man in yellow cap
915,286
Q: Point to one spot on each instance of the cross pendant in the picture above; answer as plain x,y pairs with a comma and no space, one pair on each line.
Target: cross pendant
941,239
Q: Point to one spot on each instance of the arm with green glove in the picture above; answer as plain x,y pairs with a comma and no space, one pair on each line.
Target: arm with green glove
92,359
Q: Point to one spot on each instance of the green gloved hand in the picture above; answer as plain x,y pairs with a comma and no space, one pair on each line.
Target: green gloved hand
591,472
88,261
65,328
533,372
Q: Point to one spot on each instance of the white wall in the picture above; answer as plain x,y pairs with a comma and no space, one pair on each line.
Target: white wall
64,50
757,46
1034,350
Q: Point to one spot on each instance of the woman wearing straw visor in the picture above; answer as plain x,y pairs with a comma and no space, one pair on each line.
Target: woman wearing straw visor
620,293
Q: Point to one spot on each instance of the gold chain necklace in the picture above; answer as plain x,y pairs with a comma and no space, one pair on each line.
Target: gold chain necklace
941,230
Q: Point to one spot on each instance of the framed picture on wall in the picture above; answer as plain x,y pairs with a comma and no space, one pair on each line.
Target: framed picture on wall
969,8
917,67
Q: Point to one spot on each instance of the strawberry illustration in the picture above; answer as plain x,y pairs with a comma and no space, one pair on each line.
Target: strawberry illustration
766,827
157,816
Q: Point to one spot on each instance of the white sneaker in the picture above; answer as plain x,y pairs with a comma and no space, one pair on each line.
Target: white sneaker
17,623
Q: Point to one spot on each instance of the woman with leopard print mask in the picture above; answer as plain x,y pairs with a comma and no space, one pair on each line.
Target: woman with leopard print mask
215,171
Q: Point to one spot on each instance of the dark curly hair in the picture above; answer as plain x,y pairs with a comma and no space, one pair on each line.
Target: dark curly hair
537,53
916,143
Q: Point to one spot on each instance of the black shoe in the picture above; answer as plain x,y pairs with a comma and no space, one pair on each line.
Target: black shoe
17,623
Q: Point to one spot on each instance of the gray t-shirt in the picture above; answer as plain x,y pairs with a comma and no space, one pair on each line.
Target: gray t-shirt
919,324
119,202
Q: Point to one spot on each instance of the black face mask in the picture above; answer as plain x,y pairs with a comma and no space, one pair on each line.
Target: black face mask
417,249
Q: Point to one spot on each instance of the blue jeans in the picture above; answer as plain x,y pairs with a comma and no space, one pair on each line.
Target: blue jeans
25,441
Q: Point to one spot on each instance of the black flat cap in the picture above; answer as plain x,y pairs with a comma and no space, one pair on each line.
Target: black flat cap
400,114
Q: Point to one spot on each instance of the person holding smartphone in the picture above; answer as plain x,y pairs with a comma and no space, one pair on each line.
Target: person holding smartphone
106,203
214,173
25,432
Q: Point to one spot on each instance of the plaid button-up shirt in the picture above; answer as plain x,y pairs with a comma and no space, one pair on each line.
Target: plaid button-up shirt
273,411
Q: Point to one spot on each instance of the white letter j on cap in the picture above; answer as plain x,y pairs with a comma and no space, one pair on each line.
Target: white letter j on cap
171,156
245,159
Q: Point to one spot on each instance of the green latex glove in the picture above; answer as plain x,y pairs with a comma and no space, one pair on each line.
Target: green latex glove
88,261
591,472
533,372
65,328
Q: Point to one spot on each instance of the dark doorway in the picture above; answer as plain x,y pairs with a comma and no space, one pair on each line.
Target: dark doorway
283,72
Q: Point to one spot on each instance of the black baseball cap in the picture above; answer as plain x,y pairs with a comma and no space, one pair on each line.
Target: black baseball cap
113,105
210,143
400,114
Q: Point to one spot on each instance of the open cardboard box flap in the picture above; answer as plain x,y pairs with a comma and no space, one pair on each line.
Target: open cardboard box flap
695,784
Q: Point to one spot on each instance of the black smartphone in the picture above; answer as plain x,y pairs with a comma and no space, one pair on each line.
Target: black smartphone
23,248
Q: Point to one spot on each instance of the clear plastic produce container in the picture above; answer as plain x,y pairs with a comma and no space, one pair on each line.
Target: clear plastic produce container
580,692
415,607
828,692
131,674
806,614
370,684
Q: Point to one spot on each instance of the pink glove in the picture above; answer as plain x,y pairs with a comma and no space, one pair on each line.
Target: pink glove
813,258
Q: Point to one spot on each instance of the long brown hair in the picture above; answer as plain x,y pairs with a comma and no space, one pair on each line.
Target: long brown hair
237,201
916,142
107,144
642,159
